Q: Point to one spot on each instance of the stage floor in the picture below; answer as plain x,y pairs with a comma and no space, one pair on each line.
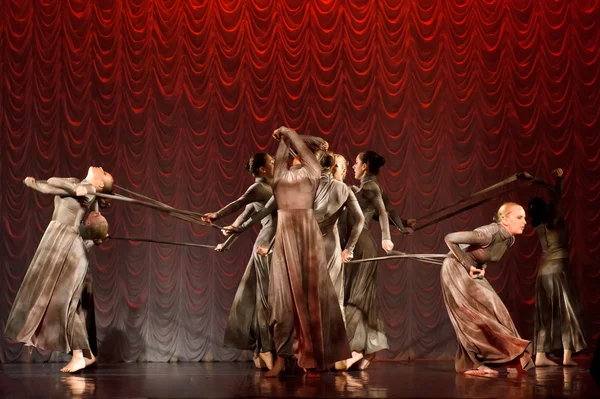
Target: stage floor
418,379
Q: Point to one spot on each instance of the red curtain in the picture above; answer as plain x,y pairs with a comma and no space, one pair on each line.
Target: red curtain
173,96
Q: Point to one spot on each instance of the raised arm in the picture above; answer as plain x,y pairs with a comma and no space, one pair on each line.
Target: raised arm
307,158
353,209
281,158
555,209
315,142
476,237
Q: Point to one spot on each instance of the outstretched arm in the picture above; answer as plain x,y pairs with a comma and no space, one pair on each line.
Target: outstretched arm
58,186
270,207
232,237
254,193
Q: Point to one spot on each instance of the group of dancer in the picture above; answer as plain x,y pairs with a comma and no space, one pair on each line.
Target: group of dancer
308,297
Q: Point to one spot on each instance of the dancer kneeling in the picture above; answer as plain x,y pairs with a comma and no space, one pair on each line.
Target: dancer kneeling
485,331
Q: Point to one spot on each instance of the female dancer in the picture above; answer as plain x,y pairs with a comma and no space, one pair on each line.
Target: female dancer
45,311
484,328
248,324
557,317
305,314
332,198
364,323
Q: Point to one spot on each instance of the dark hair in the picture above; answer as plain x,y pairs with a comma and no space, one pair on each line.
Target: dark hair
538,210
256,162
373,159
325,158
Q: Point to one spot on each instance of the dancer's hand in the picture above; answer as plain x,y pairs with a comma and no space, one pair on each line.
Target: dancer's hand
409,230
282,131
557,172
229,230
476,273
387,245
263,250
209,217
346,256
29,181
219,248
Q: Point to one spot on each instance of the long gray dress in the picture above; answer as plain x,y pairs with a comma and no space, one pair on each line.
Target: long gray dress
47,312
305,314
557,314
333,199
248,324
484,328
364,323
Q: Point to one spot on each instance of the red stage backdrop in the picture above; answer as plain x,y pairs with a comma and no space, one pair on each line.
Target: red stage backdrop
172,97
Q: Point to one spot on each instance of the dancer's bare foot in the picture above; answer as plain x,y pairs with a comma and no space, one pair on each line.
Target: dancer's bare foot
341,365
356,356
541,360
277,369
567,361
89,362
267,358
77,363
365,362
258,362
482,370
474,372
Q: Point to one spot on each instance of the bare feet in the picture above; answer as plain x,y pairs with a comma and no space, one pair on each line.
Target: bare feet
567,361
77,363
89,362
277,369
267,358
258,362
341,365
541,360
365,362
482,370
475,372
356,356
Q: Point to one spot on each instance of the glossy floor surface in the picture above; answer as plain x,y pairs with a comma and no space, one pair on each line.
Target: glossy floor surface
419,379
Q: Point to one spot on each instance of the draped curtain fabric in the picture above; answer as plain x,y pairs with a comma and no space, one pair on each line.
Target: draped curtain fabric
172,97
